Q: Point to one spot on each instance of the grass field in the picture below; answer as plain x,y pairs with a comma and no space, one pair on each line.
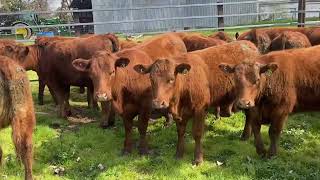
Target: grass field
85,151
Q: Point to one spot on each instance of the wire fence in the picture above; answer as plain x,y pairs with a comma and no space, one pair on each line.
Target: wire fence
129,17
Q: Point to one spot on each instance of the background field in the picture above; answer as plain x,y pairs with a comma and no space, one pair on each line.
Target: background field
80,147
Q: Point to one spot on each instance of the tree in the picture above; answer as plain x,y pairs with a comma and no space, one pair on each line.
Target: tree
13,5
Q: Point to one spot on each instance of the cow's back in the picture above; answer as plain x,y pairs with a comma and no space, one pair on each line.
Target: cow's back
163,46
15,92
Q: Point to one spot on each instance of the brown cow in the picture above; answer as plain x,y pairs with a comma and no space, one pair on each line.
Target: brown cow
273,86
222,36
289,40
45,41
16,108
195,42
189,83
129,91
262,37
54,63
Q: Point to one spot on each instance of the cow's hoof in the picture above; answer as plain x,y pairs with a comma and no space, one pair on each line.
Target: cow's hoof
107,126
125,152
271,155
179,156
262,153
144,151
197,162
244,137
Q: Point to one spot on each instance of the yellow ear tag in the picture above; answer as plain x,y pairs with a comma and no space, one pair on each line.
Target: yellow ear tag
269,72
185,71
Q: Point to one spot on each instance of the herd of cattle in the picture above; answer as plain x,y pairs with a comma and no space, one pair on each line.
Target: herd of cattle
176,75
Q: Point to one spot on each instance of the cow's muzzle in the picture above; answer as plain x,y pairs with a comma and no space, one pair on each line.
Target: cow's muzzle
245,104
103,97
157,104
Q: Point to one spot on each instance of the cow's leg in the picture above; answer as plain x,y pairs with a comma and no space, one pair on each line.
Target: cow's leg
218,112
82,90
274,134
92,103
22,138
61,94
169,119
247,131
197,131
108,115
181,130
53,95
256,127
128,123
66,100
0,156
42,85
142,127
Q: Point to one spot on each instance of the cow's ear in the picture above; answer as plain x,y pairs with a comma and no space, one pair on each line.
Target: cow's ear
81,65
182,68
227,68
142,69
268,68
121,62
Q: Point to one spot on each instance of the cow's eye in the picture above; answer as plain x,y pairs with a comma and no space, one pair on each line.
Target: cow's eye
171,81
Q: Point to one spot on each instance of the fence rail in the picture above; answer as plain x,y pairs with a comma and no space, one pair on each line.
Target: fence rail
183,21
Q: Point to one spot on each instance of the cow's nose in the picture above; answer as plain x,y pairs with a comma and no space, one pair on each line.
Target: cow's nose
102,97
245,104
156,104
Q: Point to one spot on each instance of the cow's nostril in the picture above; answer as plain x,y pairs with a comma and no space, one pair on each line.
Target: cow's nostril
163,103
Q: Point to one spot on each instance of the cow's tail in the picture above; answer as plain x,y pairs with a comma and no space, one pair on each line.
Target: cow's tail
115,42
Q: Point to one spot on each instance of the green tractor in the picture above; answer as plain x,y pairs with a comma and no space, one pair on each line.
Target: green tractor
30,19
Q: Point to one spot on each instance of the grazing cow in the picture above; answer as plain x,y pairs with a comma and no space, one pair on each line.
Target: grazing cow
16,108
129,91
262,37
54,64
127,43
195,42
222,36
275,85
289,40
188,84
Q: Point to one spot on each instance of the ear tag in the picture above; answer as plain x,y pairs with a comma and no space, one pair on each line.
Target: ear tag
269,72
185,71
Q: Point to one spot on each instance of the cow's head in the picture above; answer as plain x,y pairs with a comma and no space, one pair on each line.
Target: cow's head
248,80
163,75
101,68
22,54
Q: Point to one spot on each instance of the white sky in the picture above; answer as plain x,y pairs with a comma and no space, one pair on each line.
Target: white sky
54,4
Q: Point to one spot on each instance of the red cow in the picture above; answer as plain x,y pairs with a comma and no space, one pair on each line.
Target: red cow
275,85
16,108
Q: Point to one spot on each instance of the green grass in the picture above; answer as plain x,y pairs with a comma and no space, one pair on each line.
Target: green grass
59,143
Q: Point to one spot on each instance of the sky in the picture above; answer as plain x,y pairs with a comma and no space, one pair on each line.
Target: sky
54,4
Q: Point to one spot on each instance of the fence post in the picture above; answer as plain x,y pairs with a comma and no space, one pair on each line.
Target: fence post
220,13
301,13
